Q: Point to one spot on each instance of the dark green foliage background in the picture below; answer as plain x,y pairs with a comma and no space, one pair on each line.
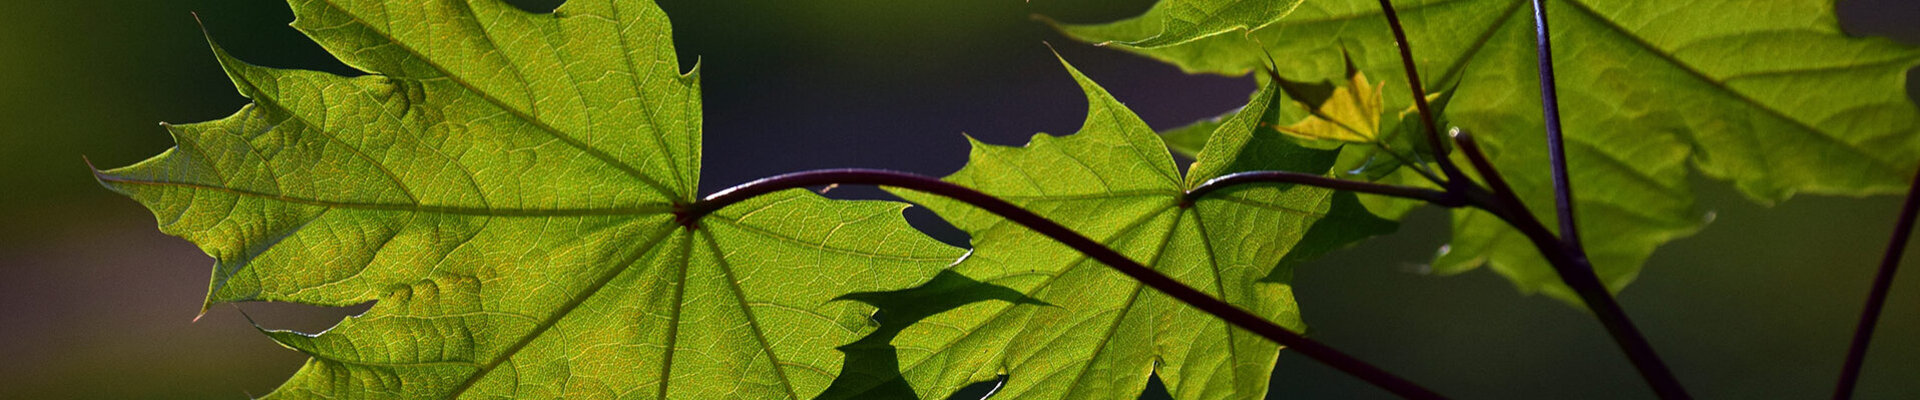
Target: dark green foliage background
96,303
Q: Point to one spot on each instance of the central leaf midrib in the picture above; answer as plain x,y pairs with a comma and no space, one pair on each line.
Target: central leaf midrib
759,334
1132,299
1702,76
1376,12
614,271
1220,289
821,246
1480,42
639,91
272,103
632,210
515,111
1077,261
673,324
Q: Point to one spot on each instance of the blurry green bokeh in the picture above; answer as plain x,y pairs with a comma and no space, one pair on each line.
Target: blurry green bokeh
96,303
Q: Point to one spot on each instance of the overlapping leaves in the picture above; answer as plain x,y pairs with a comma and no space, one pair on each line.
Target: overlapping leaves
1085,331
1771,96
504,186
1184,21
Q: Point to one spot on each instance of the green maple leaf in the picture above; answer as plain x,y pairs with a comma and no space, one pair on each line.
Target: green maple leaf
1771,96
503,186
1186,21
1086,331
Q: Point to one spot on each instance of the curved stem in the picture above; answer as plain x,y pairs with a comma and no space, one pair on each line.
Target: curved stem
1571,263
1444,199
1417,167
1420,96
1227,312
1877,298
1471,148
1556,148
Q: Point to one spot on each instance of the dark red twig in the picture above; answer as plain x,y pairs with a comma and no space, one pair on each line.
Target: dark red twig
1556,147
1470,147
1444,199
1877,298
1574,269
1420,97
1221,309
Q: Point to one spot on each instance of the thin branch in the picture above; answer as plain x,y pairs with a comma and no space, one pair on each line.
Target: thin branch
1420,96
1571,263
1471,148
1877,298
1556,148
1273,73
1567,257
691,213
1418,167
1444,199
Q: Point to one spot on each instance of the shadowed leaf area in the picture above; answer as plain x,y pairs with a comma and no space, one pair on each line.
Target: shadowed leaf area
506,188
898,310
1771,96
1096,333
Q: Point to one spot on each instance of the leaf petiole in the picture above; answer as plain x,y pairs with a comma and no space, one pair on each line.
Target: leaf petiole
690,213
1571,263
1565,253
1455,178
1436,197
1556,146
1877,298
1420,168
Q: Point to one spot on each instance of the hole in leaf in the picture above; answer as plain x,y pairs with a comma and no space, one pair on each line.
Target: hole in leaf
536,6
304,318
981,390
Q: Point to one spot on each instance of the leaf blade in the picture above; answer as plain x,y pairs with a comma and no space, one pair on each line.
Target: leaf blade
1775,99
513,222
1092,332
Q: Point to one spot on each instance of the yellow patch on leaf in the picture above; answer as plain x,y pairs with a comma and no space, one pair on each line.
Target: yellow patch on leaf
1350,114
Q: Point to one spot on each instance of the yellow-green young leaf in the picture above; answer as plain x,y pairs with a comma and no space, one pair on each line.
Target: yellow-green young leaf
1350,114
1088,331
1400,142
502,186
1771,96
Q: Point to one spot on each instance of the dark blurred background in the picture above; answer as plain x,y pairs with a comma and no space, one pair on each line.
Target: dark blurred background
96,303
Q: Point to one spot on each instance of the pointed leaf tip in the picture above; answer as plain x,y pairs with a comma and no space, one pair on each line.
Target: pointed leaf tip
589,213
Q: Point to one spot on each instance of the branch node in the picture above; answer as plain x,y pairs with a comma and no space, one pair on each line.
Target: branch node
688,215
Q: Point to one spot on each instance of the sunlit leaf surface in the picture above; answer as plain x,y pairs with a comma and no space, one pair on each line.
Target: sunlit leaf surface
503,186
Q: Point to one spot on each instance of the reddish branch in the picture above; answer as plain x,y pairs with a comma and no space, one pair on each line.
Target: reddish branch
1877,298
1113,259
